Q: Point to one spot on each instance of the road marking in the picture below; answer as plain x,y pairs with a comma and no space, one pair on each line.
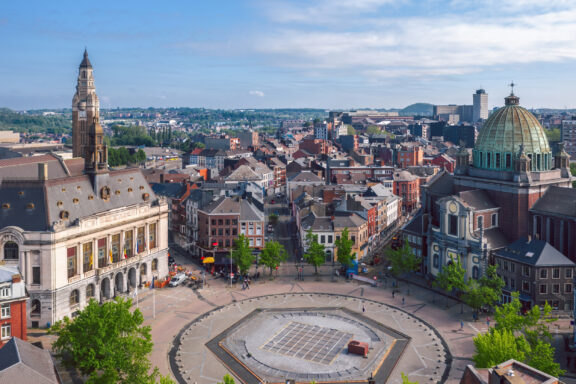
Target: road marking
473,327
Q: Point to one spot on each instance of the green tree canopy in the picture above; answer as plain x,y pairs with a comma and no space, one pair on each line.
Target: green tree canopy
497,346
373,130
107,343
273,254
315,255
485,291
227,379
131,135
350,130
242,254
452,277
403,260
344,245
530,332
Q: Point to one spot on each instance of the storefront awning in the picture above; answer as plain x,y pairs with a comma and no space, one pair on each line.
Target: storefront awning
208,260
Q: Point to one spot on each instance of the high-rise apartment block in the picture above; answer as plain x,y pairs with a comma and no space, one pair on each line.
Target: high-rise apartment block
568,135
479,105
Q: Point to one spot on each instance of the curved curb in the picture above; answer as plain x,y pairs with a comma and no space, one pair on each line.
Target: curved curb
178,338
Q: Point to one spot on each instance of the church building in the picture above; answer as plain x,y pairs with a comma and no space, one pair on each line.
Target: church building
487,203
77,230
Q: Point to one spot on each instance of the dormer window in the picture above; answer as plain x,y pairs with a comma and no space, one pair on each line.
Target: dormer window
480,222
494,220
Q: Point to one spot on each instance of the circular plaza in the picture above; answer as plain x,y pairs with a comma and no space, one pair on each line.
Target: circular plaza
304,337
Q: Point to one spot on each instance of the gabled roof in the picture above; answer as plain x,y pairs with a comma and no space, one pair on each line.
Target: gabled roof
244,172
306,176
441,184
22,362
557,201
534,252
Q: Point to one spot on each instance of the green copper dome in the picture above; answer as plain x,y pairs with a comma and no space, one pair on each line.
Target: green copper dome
508,133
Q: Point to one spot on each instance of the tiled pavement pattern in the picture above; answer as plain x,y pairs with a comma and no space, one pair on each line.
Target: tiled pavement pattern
309,342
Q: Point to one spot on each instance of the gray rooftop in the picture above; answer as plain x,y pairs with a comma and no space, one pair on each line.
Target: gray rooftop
557,201
37,204
534,252
24,363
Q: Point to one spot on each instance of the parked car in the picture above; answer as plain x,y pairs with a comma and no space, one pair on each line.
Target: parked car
177,280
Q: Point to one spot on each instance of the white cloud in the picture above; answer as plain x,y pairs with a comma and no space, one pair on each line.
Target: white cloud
257,93
427,46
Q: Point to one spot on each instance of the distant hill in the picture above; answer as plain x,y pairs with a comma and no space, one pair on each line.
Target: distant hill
422,109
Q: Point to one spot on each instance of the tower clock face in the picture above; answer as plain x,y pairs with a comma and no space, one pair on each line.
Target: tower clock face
453,207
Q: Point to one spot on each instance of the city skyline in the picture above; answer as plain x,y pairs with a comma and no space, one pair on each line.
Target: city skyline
278,54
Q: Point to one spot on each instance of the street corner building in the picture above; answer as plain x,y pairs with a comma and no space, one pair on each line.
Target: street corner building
75,229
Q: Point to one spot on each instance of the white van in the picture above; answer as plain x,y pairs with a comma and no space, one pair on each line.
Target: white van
177,280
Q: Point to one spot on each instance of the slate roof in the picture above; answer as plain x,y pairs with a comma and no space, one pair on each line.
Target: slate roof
306,176
234,205
316,223
348,221
36,205
415,225
496,238
536,253
441,184
24,363
477,199
27,167
557,201
171,190
244,172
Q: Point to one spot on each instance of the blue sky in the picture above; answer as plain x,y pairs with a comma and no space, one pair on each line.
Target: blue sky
289,53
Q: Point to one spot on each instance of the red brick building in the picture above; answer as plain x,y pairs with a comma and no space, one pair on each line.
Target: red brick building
13,299
410,156
407,186
444,161
223,220
315,146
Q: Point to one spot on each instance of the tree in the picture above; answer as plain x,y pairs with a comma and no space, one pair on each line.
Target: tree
530,329
452,277
497,346
344,245
107,343
406,380
227,379
485,291
350,130
315,254
242,254
403,260
373,130
140,156
273,254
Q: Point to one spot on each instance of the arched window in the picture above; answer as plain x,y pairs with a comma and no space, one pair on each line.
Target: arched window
480,222
89,291
475,272
35,308
11,251
74,298
155,264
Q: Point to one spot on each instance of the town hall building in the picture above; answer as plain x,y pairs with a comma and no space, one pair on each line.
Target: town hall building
75,229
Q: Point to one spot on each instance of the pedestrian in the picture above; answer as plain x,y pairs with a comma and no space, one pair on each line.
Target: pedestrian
488,322
461,324
474,316
393,292
363,309
403,301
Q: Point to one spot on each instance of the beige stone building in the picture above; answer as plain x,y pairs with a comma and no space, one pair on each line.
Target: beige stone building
77,230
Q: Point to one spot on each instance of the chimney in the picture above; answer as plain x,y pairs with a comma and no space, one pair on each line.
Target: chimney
42,171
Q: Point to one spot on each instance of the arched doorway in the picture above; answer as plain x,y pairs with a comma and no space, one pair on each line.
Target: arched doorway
132,279
105,289
119,282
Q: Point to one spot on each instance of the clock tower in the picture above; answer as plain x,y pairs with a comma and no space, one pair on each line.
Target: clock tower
85,108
